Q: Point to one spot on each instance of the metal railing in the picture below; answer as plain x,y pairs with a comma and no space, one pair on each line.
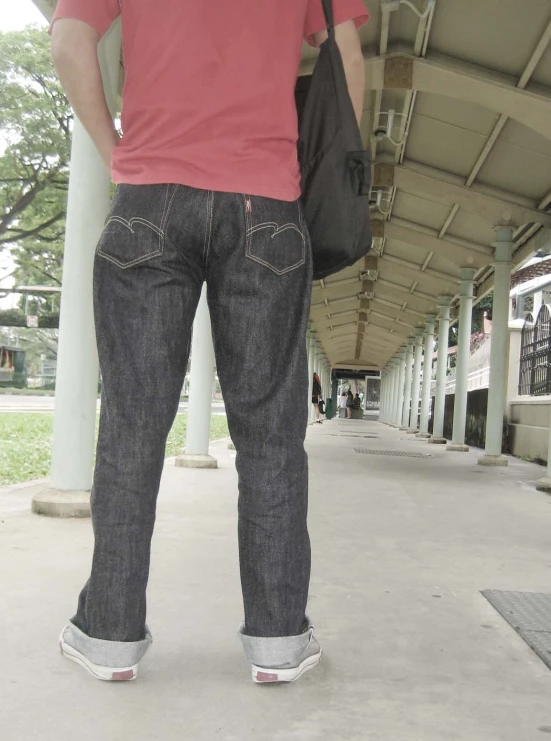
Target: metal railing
535,354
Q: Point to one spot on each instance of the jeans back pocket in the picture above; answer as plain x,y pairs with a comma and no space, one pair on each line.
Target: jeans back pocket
135,228
275,233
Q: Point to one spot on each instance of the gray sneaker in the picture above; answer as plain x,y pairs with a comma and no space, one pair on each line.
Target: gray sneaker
309,658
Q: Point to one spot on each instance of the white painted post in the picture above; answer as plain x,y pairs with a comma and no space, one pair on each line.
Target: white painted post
538,303
441,372
544,484
416,381
427,378
384,390
515,346
196,454
462,364
401,379
499,349
407,390
395,386
77,361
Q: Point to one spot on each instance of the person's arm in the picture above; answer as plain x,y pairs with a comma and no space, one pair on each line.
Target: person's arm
75,56
348,41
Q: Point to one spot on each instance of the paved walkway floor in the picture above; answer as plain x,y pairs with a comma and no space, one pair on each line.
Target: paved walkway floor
402,547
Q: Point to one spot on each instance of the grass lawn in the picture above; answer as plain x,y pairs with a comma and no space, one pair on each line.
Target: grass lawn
25,444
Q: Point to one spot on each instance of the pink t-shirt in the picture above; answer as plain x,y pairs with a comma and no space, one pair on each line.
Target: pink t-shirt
209,89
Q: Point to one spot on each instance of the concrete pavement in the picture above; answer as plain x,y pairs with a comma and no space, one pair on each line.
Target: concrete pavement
401,548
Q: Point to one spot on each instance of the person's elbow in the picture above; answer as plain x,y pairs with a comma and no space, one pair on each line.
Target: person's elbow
71,40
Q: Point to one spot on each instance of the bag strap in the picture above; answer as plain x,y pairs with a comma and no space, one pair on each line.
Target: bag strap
329,17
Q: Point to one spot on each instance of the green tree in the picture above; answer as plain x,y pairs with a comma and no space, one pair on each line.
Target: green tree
486,304
36,123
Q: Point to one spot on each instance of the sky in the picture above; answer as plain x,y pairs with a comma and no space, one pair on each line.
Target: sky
14,15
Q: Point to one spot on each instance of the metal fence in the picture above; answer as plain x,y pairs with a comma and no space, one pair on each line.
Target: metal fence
535,354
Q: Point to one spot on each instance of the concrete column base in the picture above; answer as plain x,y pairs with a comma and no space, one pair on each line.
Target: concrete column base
423,435
493,460
231,446
403,429
58,503
544,484
188,460
412,432
458,448
438,441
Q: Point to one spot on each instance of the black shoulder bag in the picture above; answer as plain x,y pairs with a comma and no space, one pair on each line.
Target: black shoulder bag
335,169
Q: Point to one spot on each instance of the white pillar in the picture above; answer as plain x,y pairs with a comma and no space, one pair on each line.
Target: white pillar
77,360
544,484
395,378
427,378
384,387
365,393
401,377
196,454
383,394
416,381
407,388
311,356
515,346
538,303
441,372
389,390
499,349
462,363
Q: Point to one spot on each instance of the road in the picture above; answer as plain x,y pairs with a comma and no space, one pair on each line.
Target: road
15,403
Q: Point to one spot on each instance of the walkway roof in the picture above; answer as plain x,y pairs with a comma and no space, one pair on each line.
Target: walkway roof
458,119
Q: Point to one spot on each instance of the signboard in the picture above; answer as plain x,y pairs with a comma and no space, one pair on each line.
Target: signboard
32,321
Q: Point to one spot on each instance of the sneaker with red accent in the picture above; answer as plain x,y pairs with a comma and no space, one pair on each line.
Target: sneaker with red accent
310,658
105,673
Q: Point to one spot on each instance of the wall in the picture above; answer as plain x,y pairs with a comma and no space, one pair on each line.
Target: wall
475,429
529,427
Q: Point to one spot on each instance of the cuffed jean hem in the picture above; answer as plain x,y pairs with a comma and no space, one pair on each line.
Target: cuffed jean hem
271,653
112,654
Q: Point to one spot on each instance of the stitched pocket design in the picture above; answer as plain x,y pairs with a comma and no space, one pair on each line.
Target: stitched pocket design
275,233
135,229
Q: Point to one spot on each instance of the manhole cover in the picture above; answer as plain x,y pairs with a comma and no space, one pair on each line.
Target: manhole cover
350,434
529,614
399,453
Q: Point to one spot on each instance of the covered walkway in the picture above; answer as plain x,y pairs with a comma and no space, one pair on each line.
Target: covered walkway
401,545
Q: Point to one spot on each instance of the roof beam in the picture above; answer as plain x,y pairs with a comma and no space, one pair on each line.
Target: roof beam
454,78
438,186
336,321
381,324
445,283
412,291
332,308
459,252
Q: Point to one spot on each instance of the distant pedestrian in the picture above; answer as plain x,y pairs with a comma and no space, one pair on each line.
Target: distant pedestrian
357,404
342,402
316,395
349,404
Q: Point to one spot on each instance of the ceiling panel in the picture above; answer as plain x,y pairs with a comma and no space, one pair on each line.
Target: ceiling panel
419,210
499,34
520,162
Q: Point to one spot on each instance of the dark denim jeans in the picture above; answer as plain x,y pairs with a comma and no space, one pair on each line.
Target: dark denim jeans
160,243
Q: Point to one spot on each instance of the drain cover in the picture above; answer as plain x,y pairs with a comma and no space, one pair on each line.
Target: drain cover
529,613
351,434
400,453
